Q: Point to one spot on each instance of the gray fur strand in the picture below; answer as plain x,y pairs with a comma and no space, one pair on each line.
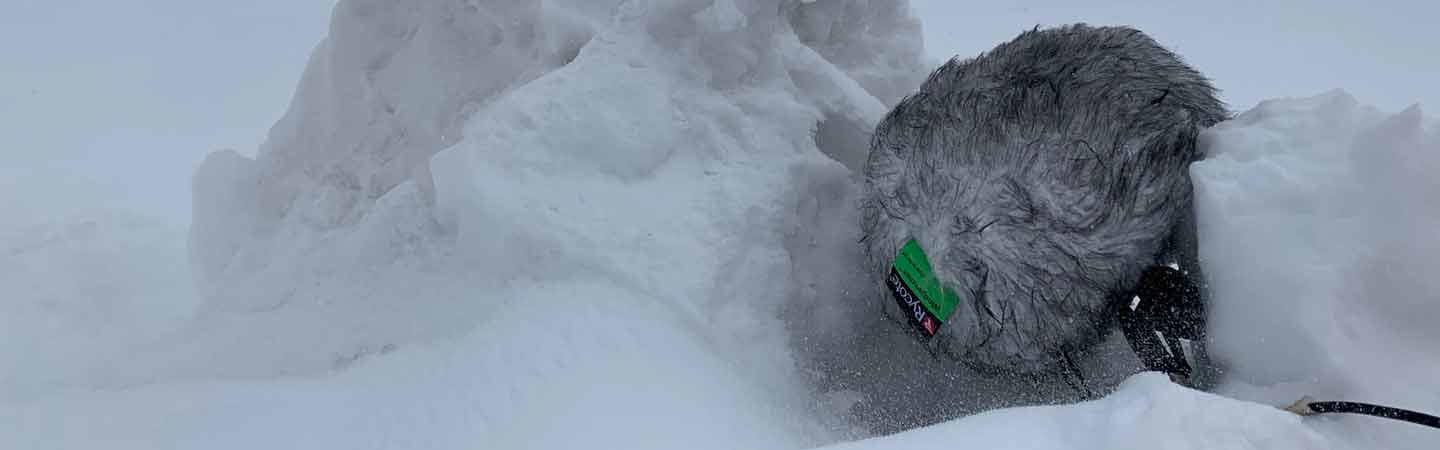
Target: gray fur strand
1041,178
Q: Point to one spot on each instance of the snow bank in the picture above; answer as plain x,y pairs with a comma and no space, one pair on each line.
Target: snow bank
578,214
394,83
1147,411
1317,228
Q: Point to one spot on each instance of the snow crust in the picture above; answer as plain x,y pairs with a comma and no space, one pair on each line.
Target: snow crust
580,224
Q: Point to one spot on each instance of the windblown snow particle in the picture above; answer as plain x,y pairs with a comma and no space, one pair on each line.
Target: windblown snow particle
1041,178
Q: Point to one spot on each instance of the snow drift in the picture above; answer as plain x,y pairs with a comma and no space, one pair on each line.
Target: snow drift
448,167
1317,235
1147,411
580,224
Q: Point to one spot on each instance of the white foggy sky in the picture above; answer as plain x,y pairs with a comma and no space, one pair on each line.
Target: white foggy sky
113,103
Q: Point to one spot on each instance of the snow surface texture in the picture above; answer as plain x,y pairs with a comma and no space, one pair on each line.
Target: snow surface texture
81,289
602,224
1317,230
1147,412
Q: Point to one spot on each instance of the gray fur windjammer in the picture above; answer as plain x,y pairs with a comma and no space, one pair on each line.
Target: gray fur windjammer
1040,178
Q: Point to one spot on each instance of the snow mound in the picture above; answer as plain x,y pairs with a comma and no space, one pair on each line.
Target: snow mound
1317,232
1147,411
605,189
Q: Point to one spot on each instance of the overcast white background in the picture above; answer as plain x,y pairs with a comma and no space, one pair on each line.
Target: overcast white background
113,103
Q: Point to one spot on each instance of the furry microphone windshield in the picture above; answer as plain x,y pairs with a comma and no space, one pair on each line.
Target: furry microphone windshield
1039,179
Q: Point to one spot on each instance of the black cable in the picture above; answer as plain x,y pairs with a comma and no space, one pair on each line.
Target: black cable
1368,409
1166,306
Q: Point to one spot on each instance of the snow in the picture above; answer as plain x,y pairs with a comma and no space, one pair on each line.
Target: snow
78,288
581,224
1317,235
1148,411
557,391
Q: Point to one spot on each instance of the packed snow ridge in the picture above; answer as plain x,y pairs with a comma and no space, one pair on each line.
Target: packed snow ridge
581,224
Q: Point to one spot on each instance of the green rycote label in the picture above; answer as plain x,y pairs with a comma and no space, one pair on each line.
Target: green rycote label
918,292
